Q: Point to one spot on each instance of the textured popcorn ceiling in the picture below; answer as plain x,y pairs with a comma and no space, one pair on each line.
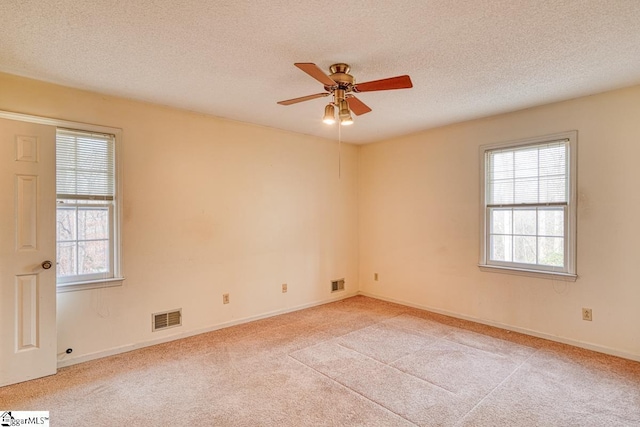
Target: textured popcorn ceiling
234,59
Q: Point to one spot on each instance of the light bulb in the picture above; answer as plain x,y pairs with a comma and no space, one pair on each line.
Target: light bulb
346,121
329,115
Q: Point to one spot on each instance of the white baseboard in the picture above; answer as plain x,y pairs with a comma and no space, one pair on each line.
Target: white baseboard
130,347
563,340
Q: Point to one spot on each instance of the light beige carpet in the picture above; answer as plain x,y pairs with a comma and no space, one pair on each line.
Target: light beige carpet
357,362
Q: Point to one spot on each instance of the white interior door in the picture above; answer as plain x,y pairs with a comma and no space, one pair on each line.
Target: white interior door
27,241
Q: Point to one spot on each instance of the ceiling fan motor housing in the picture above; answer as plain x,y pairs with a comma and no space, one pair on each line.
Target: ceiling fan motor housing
340,75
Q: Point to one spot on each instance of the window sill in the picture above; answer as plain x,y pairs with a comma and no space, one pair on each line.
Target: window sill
89,284
531,273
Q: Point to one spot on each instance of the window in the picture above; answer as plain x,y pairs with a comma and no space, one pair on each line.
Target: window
528,206
86,230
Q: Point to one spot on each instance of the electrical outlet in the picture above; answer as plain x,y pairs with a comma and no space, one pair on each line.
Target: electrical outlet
225,298
284,288
586,314
375,276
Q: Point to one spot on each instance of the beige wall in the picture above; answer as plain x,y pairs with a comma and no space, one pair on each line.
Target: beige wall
210,206
419,224
214,206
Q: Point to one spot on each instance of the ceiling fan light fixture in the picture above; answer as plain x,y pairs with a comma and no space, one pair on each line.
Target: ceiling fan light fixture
344,113
346,120
329,114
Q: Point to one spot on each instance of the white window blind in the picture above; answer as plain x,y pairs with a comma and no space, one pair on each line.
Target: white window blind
528,175
85,165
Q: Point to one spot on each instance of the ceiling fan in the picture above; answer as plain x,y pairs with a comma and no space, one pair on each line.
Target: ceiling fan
341,85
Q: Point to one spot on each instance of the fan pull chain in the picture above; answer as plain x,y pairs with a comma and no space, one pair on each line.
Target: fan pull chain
339,151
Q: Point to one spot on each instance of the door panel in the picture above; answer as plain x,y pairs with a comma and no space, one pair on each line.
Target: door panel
27,239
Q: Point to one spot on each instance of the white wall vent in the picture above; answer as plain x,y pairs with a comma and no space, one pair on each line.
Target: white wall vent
167,319
337,285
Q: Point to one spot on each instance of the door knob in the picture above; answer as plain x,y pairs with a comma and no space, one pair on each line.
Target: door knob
47,265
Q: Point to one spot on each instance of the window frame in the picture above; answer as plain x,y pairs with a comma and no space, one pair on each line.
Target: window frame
115,277
569,272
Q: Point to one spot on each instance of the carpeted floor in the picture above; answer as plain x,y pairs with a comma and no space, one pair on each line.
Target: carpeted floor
357,362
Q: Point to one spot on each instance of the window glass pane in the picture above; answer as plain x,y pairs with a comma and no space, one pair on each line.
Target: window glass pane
526,163
93,257
551,251
524,249
93,223
551,222
553,189
526,190
66,259
501,166
553,160
501,192
500,249
66,223
524,221
501,221
90,182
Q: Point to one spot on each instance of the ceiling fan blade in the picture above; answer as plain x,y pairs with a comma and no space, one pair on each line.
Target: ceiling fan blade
399,82
303,98
314,71
358,107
